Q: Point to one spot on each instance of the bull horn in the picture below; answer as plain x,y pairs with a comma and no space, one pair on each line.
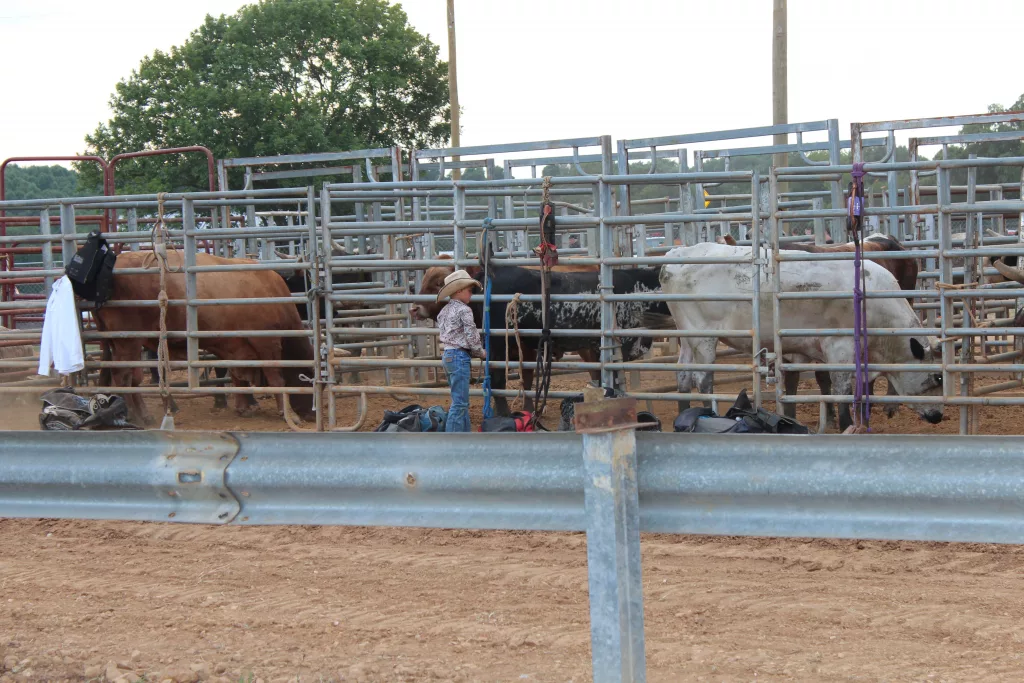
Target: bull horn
285,257
338,248
1015,274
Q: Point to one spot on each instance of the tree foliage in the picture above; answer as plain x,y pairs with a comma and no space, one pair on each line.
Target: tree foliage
39,182
1008,148
280,76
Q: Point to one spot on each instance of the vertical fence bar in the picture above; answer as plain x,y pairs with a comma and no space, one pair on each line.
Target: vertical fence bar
459,232
605,287
755,264
836,190
819,223
613,557
225,211
68,249
775,273
250,217
328,285
942,199
972,227
67,232
44,229
313,303
188,224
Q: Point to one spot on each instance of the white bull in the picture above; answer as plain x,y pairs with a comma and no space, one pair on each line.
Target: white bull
797,276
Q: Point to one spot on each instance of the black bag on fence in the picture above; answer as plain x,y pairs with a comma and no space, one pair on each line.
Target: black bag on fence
740,419
91,270
64,410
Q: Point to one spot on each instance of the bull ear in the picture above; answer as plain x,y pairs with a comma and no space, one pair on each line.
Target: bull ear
916,348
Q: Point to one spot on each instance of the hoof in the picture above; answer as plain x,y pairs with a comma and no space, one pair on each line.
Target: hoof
245,412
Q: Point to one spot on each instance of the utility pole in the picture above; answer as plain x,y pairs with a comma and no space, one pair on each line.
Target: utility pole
780,112
780,108
453,84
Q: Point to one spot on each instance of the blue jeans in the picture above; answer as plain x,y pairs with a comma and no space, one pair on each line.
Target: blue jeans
456,367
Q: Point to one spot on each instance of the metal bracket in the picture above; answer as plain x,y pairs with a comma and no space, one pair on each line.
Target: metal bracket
192,475
607,415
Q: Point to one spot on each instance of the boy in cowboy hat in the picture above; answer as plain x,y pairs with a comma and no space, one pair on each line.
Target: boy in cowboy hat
460,340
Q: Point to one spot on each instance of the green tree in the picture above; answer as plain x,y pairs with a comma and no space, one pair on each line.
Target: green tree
1007,148
280,76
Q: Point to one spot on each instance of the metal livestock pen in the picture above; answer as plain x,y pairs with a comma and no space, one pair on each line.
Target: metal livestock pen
360,244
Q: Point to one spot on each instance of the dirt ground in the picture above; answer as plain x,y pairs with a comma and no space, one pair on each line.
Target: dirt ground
197,412
156,602
81,599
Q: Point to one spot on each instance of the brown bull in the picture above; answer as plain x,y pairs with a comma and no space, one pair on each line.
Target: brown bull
222,285
903,269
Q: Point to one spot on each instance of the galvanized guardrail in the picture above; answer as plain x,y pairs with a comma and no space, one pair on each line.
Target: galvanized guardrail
881,487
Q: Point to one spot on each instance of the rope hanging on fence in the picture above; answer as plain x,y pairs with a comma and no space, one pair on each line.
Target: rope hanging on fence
512,322
855,224
548,254
485,251
160,238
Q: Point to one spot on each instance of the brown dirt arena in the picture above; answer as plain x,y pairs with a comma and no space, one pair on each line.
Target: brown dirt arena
155,602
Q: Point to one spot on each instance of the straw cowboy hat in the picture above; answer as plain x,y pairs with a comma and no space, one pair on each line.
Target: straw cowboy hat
460,279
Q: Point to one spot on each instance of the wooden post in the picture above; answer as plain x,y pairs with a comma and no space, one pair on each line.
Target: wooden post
780,107
453,85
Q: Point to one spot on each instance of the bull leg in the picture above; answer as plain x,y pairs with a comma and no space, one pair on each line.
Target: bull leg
243,407
704,353
824,380
842,385
122,350
791,382
220,401
684,379
275,378
590,356
891,408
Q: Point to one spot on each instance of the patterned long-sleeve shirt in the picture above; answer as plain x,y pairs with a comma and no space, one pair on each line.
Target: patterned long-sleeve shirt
458,330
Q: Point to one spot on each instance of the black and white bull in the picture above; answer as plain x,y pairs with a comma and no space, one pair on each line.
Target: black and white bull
577,315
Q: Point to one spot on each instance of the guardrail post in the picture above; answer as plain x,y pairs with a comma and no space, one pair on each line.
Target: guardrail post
613,539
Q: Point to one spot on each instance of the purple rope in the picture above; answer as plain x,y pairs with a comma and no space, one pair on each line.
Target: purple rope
862,396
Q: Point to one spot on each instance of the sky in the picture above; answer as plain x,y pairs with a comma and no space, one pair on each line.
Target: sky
546,69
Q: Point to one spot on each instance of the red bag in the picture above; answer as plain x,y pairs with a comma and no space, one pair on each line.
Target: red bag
518,422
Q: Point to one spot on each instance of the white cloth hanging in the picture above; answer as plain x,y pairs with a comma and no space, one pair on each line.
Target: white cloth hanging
62,341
